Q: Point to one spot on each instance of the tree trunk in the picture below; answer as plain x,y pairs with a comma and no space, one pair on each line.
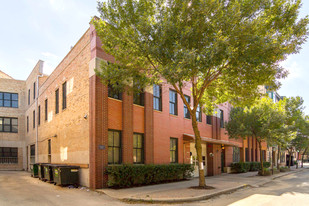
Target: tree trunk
278,165
290,158
302,157
198,147
261,157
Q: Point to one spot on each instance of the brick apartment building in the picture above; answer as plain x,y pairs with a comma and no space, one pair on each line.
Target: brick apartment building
70,117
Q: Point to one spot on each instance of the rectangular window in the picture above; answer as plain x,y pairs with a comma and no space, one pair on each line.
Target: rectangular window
8,124
29,97
198,114
57,101
138,148
157,97
27,123
247,154
264,155
282,157
221,119
33,119
49,151
114,93
8,155
8,99
138,97
34,90
208,119
64,95
236,154
114,147
46,109
39,115
173,102
173,150
185,108
32,154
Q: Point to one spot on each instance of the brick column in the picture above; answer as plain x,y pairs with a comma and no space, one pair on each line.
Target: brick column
214,127
127,127
149,127
249,149
254,148
228,156
98,132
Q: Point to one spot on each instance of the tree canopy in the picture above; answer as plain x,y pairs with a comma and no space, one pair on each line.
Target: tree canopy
222,49
260,121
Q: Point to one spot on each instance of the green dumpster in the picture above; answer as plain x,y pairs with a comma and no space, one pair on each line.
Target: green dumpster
48,173
34,170
66,175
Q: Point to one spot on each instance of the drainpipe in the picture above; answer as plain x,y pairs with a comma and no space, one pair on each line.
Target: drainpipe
36,109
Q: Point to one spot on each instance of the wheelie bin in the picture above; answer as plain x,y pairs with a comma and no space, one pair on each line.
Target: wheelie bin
66,175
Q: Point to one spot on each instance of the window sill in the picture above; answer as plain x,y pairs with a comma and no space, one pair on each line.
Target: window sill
173,115
141,106
157,111
120,164
118,100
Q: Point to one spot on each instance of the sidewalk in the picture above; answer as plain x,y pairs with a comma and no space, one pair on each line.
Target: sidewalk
180,191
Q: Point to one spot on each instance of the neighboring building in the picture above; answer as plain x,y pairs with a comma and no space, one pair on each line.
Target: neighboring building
12,123
70,117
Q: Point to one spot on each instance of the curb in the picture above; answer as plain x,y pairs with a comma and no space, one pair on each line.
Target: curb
277,177
189,199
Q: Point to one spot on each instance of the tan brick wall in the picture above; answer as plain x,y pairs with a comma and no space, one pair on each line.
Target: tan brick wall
4,75
14,139
69,129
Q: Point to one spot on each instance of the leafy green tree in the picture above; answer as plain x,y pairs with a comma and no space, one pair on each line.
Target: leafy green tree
222,49
258,121
291,135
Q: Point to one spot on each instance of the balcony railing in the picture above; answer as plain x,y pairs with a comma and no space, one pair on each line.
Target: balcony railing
8,160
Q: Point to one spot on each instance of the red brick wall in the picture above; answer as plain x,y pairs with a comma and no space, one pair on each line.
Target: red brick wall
127,128
138,119
228,156
98,119
149,128
115,114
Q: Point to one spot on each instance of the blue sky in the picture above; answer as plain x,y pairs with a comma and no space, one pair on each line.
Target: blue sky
46,29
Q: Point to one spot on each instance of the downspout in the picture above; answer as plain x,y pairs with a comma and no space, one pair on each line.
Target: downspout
37,110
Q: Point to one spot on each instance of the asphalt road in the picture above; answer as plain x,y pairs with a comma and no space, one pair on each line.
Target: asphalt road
285,191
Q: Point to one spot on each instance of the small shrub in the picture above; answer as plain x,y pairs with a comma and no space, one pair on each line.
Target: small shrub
284,169
240,167
131,175
254,166
266,164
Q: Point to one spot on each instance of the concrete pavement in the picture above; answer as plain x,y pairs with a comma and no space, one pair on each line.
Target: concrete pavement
18,188
180,191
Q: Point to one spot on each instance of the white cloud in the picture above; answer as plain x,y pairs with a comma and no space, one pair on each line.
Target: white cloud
48,54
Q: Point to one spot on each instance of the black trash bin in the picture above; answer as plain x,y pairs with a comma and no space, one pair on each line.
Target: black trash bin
66,175
48,173
34,170
41,171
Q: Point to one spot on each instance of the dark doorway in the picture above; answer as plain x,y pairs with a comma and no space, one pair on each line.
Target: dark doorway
222,160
